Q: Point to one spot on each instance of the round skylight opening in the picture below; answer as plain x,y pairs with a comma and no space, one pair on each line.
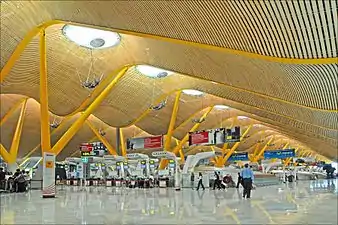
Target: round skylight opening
90,37
193,92
153,72
242,117
221,107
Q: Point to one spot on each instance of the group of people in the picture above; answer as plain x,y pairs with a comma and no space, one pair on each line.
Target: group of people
245,178
15,183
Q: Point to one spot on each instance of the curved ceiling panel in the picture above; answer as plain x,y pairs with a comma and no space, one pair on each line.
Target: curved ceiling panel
273,61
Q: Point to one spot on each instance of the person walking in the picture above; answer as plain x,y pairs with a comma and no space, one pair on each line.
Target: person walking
217,181
239,180
200,181
248,178
192,180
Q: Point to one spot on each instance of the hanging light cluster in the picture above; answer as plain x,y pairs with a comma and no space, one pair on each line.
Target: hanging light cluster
159,106
200,120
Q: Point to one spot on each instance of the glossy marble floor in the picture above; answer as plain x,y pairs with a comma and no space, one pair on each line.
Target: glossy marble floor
306,202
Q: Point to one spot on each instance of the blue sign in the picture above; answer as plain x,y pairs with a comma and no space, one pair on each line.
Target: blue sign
239,157
280,154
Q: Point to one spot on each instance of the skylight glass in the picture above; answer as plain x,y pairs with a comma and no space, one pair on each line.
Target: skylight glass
90,37
242,117
193,92
221,107
153,72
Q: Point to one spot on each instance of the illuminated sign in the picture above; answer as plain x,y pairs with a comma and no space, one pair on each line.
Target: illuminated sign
280,154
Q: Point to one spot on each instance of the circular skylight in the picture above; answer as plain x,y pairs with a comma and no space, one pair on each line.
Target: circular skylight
221,107
192,92
90,37
242,117
153,72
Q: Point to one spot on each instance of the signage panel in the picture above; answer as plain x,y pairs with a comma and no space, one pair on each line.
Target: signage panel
279,154
118,165
93,149
153,142
143,164
243,156
171,163
151,163
214,136
159,154
48,183
125,165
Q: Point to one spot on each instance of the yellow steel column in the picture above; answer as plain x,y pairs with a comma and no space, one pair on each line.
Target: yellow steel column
123,144
4,154
171,127
288,160
102,139
286,145
263,149
11,111
227,156
57,148
45,127
186,137
17,134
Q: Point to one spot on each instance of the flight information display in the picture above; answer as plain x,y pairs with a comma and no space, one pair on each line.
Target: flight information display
214,136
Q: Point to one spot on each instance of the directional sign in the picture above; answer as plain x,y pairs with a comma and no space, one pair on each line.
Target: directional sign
160,154
133,156
84,159
279,154
239,157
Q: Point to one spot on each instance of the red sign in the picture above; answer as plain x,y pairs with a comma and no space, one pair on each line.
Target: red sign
86,147
199,138
153,142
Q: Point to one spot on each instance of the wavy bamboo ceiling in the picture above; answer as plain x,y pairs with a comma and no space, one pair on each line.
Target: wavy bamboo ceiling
273,61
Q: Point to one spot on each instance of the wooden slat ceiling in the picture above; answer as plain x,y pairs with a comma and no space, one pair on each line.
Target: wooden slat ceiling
296,98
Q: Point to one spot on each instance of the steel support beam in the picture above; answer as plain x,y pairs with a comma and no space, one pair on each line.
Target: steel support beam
123,144
17,134
4,154
11,111
61,125
172,123
110,148
263,149
10,157
227,156
44,118
63,141
186,137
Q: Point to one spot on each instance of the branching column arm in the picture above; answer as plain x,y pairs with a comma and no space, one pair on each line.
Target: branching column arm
63,141
186,137
172,123
227,156
263,149
110,148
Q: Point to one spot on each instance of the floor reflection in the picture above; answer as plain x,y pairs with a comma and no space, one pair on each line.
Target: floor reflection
292,203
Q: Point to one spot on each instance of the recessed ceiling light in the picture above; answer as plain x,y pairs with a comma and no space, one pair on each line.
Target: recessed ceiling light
242,117
193,92
153,72
221,107
90,37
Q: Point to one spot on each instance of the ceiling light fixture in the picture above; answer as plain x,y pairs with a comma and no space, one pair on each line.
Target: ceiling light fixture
221,107
90,37
153,72
193,92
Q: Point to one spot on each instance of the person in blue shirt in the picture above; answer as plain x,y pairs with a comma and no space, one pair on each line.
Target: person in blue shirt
248,178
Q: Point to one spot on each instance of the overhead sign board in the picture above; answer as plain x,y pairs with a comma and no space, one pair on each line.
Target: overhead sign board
133,156
279,154
214,136
159,154
243,156
153,142
93,149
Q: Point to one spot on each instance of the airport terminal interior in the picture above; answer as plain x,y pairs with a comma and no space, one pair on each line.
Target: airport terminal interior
169,112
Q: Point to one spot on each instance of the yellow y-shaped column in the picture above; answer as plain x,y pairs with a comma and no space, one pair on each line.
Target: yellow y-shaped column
172,122
123,144
45,128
